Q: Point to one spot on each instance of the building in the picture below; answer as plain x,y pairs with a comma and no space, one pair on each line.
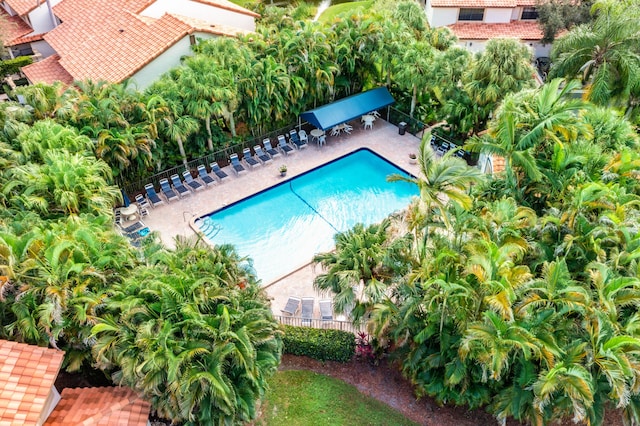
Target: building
475,22
115,40
28,395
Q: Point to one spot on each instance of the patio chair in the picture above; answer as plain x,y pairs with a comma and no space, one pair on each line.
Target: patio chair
261,154
235,163
249,159
269,149
152,195
169,193
178,186
347,128
303,136
284,146
322,139
292,306
335,131
204,176
326,310
296,140
188,179
307,310
215,169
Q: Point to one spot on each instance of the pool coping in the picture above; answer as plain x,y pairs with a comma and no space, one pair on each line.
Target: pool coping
204,238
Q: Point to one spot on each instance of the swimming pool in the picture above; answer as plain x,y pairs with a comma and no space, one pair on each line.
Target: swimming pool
282,227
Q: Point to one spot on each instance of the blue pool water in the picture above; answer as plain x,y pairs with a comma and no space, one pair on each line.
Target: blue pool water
282,227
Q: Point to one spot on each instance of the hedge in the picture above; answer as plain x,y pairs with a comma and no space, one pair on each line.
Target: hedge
320,344
12,66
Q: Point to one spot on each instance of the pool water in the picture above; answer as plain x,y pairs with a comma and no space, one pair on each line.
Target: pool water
282,227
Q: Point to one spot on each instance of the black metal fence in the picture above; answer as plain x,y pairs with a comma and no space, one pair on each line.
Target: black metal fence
414,126
319,323
221,157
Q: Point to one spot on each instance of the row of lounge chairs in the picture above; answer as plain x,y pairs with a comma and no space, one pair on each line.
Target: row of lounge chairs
306,305
175,187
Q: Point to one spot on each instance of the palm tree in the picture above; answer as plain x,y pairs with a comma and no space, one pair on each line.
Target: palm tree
361,268
414,71
604,53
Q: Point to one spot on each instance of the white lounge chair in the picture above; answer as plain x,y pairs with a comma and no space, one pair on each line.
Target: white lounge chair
326,309
307,310
292,306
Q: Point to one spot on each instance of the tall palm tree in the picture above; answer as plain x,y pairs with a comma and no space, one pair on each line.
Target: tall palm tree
604,53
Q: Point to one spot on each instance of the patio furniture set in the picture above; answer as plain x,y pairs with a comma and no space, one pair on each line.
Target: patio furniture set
305,305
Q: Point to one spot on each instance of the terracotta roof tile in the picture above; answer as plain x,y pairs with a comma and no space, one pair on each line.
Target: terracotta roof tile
498,164
100,406
22,7
226,4
27,374
474,3
25,39
47,71
12,27
522,30
205,27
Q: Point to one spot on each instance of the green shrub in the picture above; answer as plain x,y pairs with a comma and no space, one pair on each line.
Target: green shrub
12,66
320,344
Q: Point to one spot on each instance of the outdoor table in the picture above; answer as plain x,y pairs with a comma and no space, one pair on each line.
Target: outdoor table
130,212
316,133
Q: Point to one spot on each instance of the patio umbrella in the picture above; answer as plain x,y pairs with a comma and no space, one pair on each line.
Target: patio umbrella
125,198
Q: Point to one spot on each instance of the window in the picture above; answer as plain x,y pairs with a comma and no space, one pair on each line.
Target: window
468,14
192,39
529,13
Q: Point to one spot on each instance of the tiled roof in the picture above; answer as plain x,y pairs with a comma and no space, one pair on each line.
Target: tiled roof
22,7
522,30
27,374
47,71
205,27
12,27
226,4
112,45
25,39
106,406
474,3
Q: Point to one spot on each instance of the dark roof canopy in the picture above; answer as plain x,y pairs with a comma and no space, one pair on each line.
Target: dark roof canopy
346,109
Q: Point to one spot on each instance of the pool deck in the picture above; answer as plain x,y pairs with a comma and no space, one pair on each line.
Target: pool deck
171,219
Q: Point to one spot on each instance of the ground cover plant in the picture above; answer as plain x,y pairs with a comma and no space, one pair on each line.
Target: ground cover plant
307,398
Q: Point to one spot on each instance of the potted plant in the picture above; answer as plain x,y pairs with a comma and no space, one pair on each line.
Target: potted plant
283,170
413,159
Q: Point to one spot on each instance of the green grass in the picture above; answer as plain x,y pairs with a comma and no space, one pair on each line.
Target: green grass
306,398
332,11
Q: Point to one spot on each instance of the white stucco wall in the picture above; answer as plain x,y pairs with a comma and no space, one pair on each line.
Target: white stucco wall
41,19
42,47
428,10
538,49
6,7
515,13
473,46
444,16
495,15
163,63
212,14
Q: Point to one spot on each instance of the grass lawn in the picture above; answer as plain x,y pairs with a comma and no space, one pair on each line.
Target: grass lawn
306,398
332,11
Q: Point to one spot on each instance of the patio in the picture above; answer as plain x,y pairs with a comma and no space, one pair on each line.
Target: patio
175,218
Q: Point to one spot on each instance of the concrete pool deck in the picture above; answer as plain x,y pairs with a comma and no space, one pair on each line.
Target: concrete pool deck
171,219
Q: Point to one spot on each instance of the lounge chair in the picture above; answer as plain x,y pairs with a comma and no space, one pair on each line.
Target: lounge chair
142,202
178,186
188,179
261,154
235,163
204,176
296,140
152,195
326,310
169,193
284,146
307,310
267,147
249,159
215,169
292,306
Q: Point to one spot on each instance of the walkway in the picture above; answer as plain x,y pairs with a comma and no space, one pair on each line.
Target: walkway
174,218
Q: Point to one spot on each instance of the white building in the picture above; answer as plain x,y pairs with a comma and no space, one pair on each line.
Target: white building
475,22
115,40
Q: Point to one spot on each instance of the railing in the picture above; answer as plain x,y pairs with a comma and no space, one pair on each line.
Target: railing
319,323
414,126
220,156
